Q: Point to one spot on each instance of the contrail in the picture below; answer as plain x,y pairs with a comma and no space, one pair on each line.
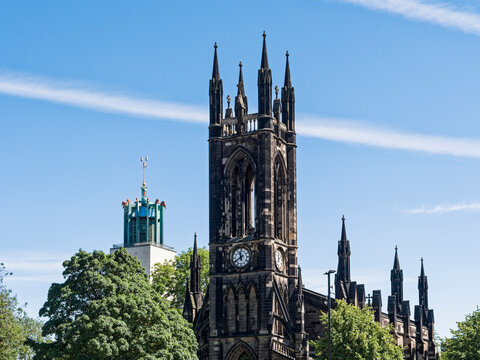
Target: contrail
433,12
64,93
332,129
355,132
441,209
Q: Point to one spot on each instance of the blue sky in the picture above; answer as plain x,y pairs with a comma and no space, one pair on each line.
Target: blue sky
388,116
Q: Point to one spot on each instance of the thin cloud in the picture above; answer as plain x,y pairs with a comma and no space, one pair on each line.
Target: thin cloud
339,130
433,12
442,209
64,93
355,132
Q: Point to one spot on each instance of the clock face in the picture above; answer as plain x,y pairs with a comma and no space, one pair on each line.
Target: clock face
279,260
241,257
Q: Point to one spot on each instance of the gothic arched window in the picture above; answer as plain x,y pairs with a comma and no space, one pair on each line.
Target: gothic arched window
250,197
236,201
230,311
280,200
252,310
242,309
240,203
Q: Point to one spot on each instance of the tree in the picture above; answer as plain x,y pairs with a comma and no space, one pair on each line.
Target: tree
465,341
16,327
107,309
170,278
356,336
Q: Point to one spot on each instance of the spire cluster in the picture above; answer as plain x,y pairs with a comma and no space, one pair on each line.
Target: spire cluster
273,113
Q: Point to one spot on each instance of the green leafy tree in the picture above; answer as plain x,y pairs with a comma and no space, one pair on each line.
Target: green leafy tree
465,341
16,327
170,278
356,336
107,309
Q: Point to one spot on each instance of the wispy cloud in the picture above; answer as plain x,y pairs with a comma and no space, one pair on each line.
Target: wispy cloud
340,130
68,93
355,132
433,12
441,209
33,266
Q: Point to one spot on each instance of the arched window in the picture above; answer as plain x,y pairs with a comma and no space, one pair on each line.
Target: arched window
242,309
230,313
240,202
277,324
236,188
241,351
252,310
280,200
250,197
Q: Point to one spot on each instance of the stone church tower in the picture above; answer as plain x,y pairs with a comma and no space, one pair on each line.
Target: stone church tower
254,307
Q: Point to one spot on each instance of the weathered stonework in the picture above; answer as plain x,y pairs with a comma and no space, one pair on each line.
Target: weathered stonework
256,306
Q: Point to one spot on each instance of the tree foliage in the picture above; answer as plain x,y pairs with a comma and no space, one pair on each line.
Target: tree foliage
465,341
356,336
170,278
107,309
16,327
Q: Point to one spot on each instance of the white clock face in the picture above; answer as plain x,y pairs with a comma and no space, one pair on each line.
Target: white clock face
241,257
279,260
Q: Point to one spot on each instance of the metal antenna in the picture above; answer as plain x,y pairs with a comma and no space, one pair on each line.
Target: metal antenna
144,165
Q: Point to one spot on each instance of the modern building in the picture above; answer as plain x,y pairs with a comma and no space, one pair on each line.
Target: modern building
256,306
143,230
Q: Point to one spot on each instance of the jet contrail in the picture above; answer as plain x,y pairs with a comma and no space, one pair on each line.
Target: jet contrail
332,129
432,12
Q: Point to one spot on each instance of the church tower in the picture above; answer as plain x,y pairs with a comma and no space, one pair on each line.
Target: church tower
255,306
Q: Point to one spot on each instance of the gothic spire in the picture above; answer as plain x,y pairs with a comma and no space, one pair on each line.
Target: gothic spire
241,105
215,98
195,268
264,63
288,102
396,262
300,283
423,288
396,280
216,70
241,90
264,82
195,248
343,269
288,80
343,238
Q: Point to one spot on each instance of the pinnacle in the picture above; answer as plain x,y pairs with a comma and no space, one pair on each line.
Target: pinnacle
264,63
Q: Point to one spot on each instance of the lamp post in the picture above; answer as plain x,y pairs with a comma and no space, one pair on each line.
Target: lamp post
328,273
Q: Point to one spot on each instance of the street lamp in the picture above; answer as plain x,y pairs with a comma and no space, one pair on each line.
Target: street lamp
328,273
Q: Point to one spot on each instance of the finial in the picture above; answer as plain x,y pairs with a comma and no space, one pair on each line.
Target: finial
215,71
143,163
264,34
229,99
421,259
286,54
276,92
195,235
343,218
240,64
396,247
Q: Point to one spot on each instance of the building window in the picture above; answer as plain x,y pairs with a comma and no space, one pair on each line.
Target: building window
252,310
230,313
